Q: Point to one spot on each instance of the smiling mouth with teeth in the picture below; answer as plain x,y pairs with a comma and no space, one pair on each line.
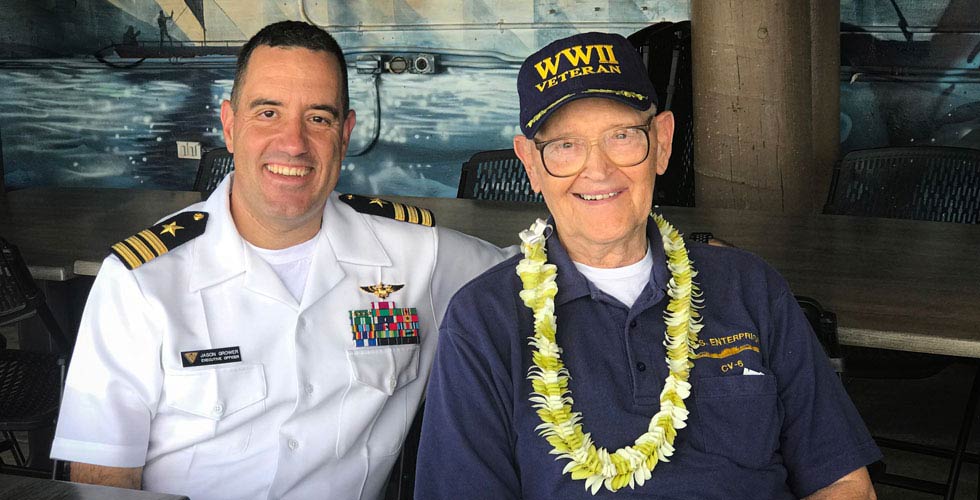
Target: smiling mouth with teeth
288,170
595,197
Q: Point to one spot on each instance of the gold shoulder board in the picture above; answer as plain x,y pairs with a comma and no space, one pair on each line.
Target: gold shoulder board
390,209
155,241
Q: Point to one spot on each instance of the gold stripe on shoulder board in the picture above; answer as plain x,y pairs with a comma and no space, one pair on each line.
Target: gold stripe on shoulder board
141,249
127,255
154,241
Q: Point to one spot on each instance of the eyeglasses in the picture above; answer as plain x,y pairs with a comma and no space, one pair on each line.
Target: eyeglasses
624,146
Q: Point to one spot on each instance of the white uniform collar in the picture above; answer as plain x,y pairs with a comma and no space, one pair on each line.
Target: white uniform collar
351,235
220,253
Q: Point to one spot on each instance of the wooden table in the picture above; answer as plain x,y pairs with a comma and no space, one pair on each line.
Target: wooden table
896,284
19,487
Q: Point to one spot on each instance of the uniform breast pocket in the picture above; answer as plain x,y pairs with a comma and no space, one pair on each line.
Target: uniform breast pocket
384,368
374,404
218,404
739,418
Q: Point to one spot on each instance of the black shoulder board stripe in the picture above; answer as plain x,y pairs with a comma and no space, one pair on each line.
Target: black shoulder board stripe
155,241
390,209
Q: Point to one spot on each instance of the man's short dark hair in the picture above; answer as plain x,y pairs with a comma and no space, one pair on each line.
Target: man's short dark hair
291,34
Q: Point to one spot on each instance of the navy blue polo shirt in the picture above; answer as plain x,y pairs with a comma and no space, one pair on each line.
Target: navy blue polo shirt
769,418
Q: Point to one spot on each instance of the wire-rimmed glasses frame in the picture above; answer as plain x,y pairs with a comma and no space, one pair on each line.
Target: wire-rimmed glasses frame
577,150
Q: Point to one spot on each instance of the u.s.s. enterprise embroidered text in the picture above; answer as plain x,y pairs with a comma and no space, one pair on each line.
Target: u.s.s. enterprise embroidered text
715,352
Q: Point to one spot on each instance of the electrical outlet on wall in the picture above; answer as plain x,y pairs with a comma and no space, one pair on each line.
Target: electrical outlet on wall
189,150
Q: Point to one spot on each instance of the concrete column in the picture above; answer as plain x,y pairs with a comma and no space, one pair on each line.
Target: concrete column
825,98
766,102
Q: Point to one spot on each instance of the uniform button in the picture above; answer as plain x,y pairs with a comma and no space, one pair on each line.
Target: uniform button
293,444
633,324
640,366
309,388
218,409
392,383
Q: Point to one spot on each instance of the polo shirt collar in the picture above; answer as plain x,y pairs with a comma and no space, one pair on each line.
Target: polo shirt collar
573,284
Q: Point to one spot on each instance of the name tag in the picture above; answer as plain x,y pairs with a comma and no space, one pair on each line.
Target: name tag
217,356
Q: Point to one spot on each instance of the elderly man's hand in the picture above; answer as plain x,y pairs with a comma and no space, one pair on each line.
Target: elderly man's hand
854,486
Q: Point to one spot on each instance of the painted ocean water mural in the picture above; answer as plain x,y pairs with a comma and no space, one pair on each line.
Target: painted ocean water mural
79,123
70,120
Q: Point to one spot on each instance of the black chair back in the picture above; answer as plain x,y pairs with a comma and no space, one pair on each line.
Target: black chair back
666,49
20,298
496,175
922,183
214,166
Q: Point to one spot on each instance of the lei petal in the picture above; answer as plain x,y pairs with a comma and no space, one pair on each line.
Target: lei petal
552,399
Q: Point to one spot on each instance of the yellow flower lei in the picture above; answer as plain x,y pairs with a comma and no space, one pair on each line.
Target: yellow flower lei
552,398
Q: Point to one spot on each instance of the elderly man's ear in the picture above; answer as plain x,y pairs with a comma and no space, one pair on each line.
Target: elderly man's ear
528,154
664,122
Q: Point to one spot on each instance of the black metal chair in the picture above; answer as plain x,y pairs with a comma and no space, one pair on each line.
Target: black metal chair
214,166
496,175
930,183
824,324
30,382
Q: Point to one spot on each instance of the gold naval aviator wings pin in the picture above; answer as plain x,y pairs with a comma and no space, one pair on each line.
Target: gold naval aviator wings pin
382,290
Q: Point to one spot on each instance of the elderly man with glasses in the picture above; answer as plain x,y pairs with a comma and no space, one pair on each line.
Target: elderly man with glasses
614,358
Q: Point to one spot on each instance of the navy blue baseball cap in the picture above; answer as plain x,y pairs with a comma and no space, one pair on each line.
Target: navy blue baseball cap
583,65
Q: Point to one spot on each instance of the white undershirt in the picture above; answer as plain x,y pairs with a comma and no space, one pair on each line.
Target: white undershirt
623,283
291,264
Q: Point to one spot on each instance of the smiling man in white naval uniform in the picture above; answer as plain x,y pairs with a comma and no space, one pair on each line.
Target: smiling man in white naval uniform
273,341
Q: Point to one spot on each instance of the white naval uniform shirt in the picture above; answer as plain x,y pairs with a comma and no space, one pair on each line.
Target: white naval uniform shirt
305,413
